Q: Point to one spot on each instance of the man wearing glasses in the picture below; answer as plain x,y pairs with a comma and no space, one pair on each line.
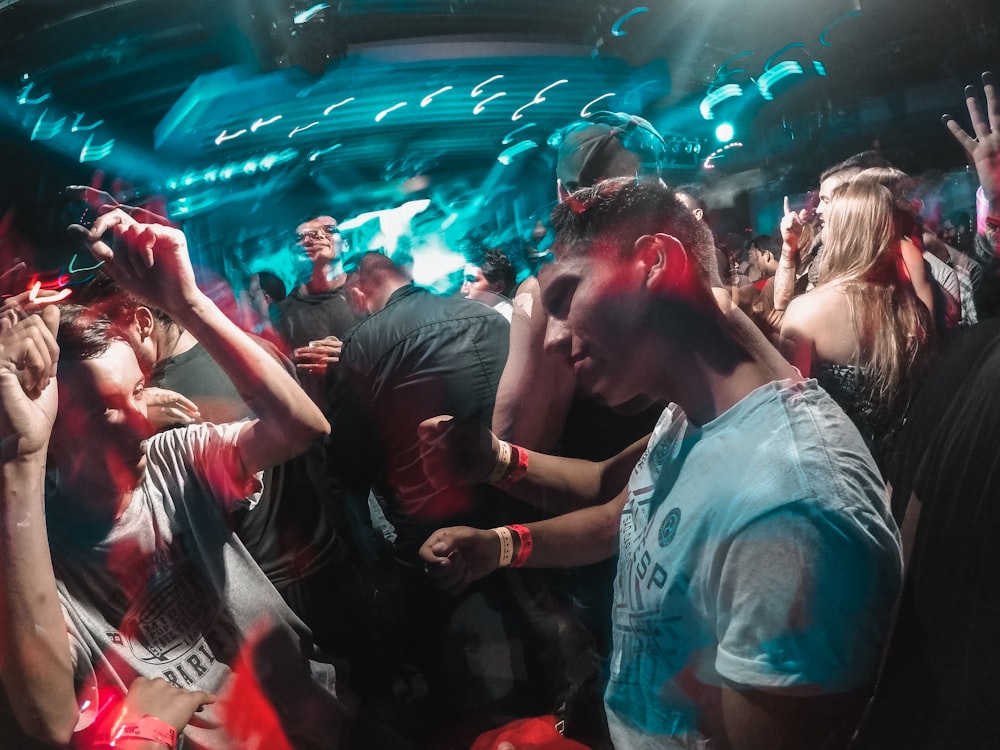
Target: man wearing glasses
316,315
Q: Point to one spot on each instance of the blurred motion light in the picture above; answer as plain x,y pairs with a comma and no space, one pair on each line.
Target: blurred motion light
724,132
507,155
716,97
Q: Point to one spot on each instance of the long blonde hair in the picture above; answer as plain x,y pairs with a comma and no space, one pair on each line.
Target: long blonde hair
862,251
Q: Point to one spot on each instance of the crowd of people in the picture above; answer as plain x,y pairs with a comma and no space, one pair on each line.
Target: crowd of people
647,498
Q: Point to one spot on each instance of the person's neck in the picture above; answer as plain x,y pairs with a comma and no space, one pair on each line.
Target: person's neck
327,277
380,298
174,341
717,374
95,498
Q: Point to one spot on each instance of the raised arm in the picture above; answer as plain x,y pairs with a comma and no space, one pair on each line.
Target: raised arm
35,664
784,278
151,261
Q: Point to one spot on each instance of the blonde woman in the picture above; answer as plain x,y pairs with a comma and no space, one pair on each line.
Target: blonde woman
862,332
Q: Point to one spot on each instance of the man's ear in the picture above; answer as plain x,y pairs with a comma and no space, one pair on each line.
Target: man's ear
358,300
143,319
663,259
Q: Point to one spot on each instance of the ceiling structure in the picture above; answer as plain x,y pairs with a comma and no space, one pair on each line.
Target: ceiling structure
254,112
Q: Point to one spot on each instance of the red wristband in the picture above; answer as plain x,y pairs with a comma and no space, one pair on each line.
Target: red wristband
524,550
517,469
146,728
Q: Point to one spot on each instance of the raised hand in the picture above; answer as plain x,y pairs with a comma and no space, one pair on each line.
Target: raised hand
319,356
457,556
455,451
149,260
167,408
791,226
983,148
28,359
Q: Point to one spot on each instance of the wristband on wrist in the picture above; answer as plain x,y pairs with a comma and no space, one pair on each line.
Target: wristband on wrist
501,467
506,546
524,550
146,728
516,469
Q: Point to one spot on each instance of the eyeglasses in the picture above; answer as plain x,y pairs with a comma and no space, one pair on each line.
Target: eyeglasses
312,234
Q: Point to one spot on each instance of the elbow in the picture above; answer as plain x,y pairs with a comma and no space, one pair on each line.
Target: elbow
53,725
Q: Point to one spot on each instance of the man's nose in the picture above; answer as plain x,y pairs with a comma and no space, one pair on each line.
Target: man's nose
557,337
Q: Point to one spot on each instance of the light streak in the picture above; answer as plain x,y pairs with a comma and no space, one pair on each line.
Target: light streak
585,112
478,89
616,30
479,107
510,136
779,72
305,127
259,123
718,96
79,118
379,117
316,153
822,36
43,131
427,99
341,103
89,152
226,136
507,155
307,14
539,98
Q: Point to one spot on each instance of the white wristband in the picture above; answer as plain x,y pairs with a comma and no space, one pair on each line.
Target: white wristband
506,546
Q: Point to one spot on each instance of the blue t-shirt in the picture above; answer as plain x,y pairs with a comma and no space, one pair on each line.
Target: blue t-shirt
758,550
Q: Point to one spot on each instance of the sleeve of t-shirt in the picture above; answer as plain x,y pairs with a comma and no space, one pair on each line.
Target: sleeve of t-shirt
804,603
211,452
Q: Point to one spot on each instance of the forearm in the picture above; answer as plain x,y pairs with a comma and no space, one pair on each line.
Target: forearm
784,277
560,485
580,538
272,394
36,667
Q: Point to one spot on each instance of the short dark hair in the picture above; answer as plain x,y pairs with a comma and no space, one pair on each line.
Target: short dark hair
496,267
766,244
857,163
107,297
272,285
86,333
620,211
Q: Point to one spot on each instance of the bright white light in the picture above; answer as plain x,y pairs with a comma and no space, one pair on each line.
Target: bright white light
585,112
259,123
384,112
724,132
341,103
770,77
478,89
304,127
539,98
427,99
479,107
716,96
225,136
309,13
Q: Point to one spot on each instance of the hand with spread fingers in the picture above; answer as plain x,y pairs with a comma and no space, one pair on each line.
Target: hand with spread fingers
166,408
982,148
28,398
149,260
456,451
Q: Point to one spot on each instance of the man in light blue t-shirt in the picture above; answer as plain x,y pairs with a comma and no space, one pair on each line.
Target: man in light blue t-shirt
758,563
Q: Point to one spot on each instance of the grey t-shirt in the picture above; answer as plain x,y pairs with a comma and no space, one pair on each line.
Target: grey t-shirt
169,591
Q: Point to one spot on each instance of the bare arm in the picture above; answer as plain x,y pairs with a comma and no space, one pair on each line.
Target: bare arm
796,341
784,278
151,261
458,556
36,667
758,720
535,388
463,452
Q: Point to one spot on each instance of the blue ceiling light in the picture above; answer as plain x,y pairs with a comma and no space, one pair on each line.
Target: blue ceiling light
616,30
381,115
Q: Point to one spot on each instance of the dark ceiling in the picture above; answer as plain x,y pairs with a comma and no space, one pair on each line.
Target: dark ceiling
234,111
